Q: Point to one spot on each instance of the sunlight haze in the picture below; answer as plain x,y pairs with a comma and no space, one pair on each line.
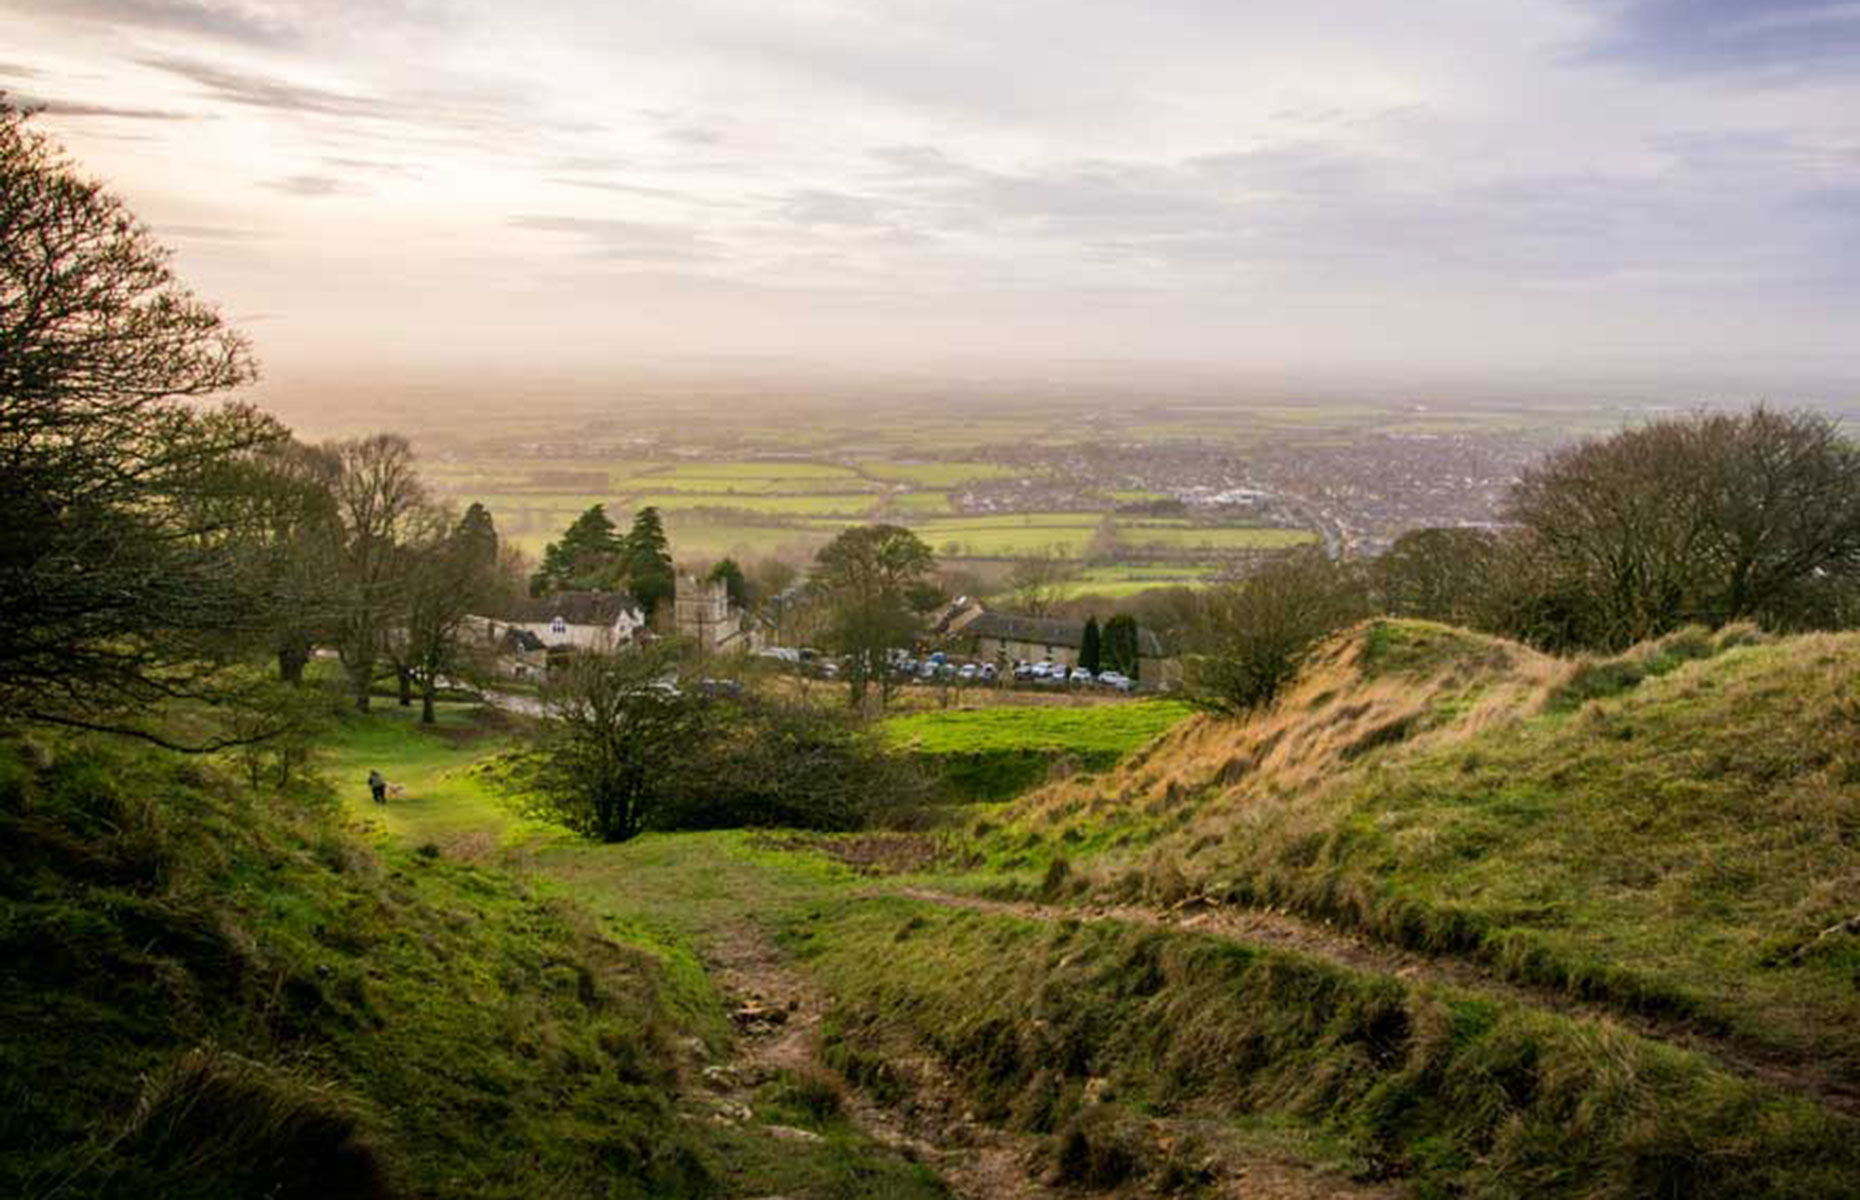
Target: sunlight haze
1544,187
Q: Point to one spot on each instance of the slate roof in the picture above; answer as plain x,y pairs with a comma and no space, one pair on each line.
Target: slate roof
577,608
1048,631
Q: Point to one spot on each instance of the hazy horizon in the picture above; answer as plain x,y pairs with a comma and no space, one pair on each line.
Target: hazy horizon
1440,195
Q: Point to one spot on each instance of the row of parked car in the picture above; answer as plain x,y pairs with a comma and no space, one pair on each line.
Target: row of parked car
938,666
1053,674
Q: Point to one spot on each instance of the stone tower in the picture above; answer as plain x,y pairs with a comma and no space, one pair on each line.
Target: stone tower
702,611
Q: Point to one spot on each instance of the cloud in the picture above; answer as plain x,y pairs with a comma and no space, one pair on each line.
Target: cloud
237,87
818,206
74,108
208,233
220,19
372,166
612,238
626,189
693,135
15,71
314,186
1775,39
590,162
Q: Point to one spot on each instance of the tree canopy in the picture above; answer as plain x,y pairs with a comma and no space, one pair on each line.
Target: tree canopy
646,558
588,555
865,575
118,579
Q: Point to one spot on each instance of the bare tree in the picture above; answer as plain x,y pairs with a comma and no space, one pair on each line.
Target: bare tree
115,583
865,575
1250,637
381,503
1037,582
1439,574
1709,518
453,569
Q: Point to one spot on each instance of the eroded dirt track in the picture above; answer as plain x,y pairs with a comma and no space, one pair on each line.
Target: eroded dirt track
975,1160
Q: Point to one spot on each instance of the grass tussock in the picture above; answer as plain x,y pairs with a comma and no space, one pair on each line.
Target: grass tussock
213,1124
1073,1030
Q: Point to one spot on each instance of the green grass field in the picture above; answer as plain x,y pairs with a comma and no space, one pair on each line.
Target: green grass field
1099,729
996,752
853,505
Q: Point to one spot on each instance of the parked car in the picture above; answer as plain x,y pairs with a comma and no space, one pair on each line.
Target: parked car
1081,676
1023,672
989,673
967,673
1115,679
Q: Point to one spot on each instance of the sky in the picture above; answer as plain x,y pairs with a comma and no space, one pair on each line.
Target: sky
1533,186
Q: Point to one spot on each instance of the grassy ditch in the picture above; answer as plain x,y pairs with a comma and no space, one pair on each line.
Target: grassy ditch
1099,1035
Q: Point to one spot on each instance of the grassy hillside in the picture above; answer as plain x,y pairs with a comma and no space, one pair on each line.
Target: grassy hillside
1669,832
212,994
1453,919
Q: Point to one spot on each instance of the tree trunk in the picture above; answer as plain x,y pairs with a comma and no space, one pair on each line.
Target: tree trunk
291,662
427,695
406,686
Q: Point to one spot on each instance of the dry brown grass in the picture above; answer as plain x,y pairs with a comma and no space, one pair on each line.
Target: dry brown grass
1380,689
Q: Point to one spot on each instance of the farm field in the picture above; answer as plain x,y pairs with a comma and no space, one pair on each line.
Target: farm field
755,490
935,474
852,506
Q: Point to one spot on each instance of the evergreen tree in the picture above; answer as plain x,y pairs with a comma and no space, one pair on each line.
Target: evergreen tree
647,559
588,556
1118,645
733,581
477,537
1091,647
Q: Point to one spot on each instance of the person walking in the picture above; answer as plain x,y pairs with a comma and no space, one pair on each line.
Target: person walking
377,785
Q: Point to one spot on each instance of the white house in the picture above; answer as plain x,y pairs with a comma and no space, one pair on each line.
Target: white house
530,629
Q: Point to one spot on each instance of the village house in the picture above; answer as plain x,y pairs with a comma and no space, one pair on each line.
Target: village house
531,629
995,637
